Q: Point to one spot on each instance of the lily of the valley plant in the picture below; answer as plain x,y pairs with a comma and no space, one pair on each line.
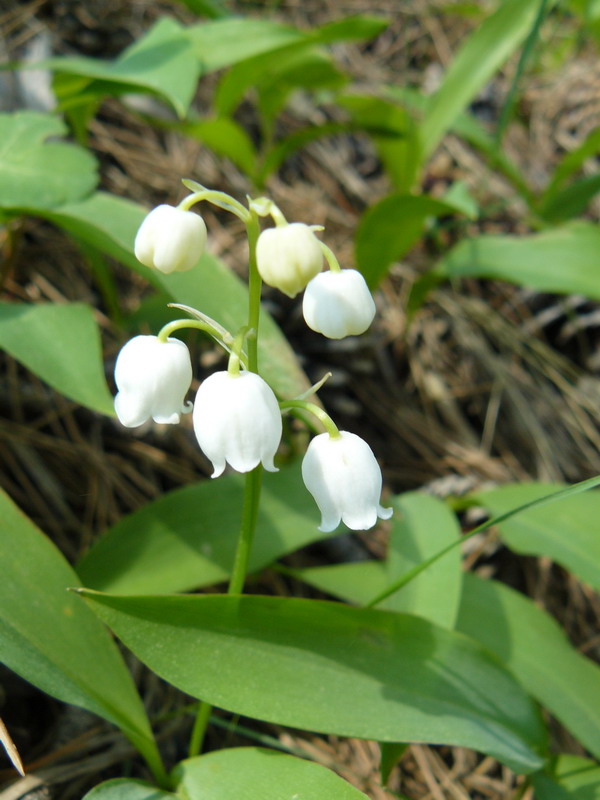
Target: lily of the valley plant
236,415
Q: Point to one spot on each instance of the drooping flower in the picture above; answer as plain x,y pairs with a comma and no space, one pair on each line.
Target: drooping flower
344,478
152,378
288,256
338,304
237,421
170,239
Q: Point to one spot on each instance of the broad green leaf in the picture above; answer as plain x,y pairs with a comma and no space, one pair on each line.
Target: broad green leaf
227,41
39,173
484,52
225,138
127,789
162,62
390,228
566,531
109,223
331,668
213,9
571,162
254,773
536,651
50,638
571,201
422,526
563,259
187,538
394,133
61,344
569,778
283,63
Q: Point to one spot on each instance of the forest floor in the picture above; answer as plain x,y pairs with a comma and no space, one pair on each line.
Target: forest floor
488,384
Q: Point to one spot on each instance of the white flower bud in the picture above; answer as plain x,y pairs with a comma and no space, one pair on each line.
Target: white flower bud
338,304
345,480
237,420
152,378
170,239
288,257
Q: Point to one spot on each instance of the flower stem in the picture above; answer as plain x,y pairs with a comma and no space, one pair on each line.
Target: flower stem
329,425
332,262
253,484
220,199
252,489
180,324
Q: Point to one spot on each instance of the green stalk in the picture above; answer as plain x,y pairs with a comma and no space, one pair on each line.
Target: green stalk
253,484
523,59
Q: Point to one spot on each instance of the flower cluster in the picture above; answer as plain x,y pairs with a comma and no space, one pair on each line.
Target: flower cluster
236,417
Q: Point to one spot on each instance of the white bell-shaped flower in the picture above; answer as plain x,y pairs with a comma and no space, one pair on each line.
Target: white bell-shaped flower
170,239
338,304
288,256
237,421
343,476
152,378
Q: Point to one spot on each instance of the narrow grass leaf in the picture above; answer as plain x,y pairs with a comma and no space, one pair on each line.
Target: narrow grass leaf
61,344
299,662
422,526
484,52
536,651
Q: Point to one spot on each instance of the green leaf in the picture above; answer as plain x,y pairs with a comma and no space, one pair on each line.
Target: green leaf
298,662
536,651
227,41
283,63
565,531
51,639
572,201
213,9
162,62
391,753
110,223
225,138
127,789
570,778
564,259
35,172
187,538
61,344
422,526
394,133
254,773
571,162
390,228
483,53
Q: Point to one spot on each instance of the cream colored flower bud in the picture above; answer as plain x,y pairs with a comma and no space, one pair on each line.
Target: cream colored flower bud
288,257
170,239
343,476
338,304
152,378
237,421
